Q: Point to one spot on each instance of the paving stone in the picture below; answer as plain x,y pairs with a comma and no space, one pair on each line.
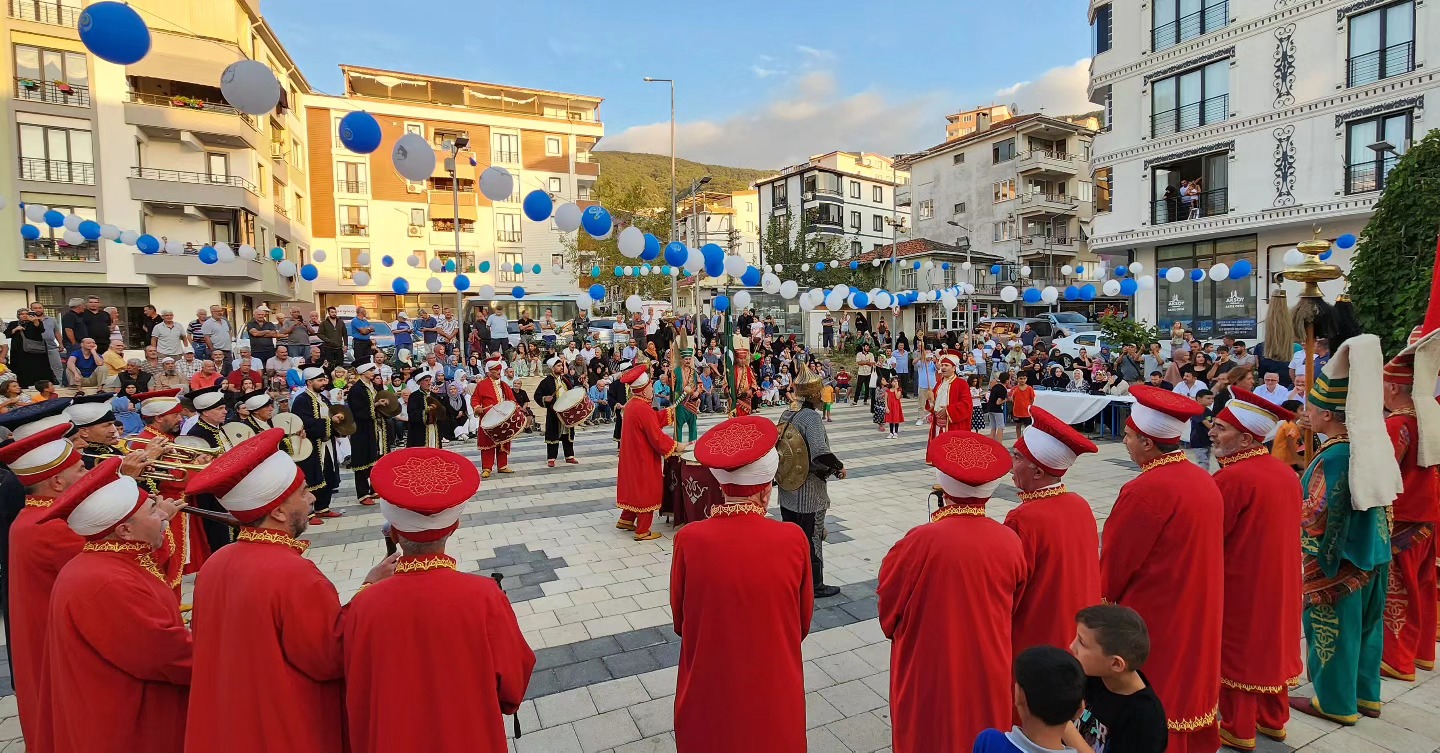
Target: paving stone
830,617
657,744
560,739
863,609
819,712
565,707
606,730
548,658
661,682
666,654
822,740
543,684
640,638
654,717
631,663
618,694
595,648
1393,736
581,674
844,667
852,698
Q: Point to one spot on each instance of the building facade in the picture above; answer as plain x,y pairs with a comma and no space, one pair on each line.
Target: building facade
151,147
842,198
1235,130
364,210
967,122
729,220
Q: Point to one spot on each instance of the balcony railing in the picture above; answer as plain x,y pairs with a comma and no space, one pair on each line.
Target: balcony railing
188,103
507,157
507,236
51,92
281,210
348,271
1196,24
1045,241
584,157
181,176
54,249
812,192
1373,66
1369,176
57,171
350,186
448,226
45,12
1208,204
1050,154
1193,115
354,229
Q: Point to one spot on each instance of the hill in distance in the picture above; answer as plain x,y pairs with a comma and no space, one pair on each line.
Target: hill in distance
654,169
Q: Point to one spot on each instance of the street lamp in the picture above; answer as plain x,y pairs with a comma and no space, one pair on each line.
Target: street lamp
451,166
969,299
673,223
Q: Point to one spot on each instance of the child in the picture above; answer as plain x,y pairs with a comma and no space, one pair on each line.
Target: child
894,413
1022,396
1288,444
977,404
827,396
1049,694
842,384
1122,712
1200,430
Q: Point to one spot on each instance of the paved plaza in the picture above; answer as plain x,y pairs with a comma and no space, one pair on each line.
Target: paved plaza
594,604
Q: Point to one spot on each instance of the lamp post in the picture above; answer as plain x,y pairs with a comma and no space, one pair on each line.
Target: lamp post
673,280
452,166
970,268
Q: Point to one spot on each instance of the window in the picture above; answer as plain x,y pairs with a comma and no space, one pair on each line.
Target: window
854,248
877,223
1191,188
507,228
1003,230
1004,190
1210,308
57,155
50,247
419,254
1366,169
350,259
907,278
54,76
552,146
1085,191
1102,189
1101,28
354,219
1003,151
583,192
854,221
778,194
958,208
415,128
417,216
508,263
958,159
443,137
927,209
877,246
505,147
827,184
1382,44
350,177
1197,97
854,189
298,213
554,185
877,194
219,164
824,214
222,231
1176,21
557,261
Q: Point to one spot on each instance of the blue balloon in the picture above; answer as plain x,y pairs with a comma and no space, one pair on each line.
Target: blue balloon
90,229
945,266
665,270
994,269
535,269
619,272
1032,295
1346,241
597,292
387,261
538,205
148,244
1079,270
401,286
462,283
449,265
1087,293
518,292
1129,286
484,266
307,272
854,265
819,266
862,300
518,268
1197,275
208,256
751,278
917,265
55,218
1326,255
1121,271
596,221
1241,269
360,132
29,232
595,271
714,259
676,253
721,303
473,162
277,253
652,248
114,32
1072,293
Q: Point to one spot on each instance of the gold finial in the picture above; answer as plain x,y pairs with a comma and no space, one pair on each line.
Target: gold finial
1311,270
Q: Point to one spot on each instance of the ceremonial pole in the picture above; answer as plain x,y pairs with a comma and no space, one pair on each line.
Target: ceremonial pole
1311,307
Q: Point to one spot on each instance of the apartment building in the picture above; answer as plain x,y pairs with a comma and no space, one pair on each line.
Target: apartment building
1236,128
844,196
1016,193
729,220
978,119
365,210
151,147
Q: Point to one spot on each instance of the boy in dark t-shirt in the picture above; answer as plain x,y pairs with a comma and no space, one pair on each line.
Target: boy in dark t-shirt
1122,712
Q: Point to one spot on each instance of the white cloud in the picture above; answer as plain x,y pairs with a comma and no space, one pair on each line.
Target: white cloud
1058,91
762,72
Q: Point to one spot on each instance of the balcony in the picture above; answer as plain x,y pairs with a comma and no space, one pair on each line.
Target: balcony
1047,162
1047,203
811,194
1212,203
504,157
178,187
1213,110
1370,67
57,171
51,92
351,186
354,230
50,12
507,236
54,249
1045,245
168,117
241,276
1190,26
589,167
1369,176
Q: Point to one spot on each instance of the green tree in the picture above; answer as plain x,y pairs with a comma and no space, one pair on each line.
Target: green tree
1390,276
1125,331
631,201
791,243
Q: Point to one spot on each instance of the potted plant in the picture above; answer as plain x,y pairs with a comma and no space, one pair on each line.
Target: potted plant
64,88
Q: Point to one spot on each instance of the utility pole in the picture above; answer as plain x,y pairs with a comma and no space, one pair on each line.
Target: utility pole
674,221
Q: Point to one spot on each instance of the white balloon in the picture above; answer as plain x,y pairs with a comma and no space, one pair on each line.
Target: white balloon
224,253
497,183
969,289
36,212
319,254
694,261
628,271
1024,271
129,237
843,290
928,264
413,157
883,300
1067,270
789,289
949,301
674,271
74,238
1136,267
634,303
770,283
834,301
433,284
741,299
584,301
413,261
175,248
1176,274
805,303
247,252
779,268
1008,294
487,291
251,87
363,258
1146,282
1292,257
874,262
286,268
72,221
567,219
631,242
804,267
436,265
735,265
109,232
966,266
1111,287
361,278
1220,271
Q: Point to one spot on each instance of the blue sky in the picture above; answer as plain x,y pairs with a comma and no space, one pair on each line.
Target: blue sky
759,84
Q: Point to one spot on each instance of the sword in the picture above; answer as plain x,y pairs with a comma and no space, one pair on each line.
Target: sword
499,582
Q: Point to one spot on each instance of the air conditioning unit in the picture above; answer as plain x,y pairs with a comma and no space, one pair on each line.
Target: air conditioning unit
277,150
414,231
413,188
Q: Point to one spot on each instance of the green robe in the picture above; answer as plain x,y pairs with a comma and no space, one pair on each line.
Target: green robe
684,417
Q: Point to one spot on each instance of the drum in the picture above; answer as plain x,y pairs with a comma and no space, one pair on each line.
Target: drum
573,406
688,457
501,424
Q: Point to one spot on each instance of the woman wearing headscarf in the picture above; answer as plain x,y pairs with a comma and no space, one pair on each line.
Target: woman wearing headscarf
28,357
1057,380
1078,382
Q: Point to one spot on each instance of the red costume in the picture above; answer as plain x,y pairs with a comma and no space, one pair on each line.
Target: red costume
952,407
644,445
947,591
741,655
187,543
488,394
1260,653
894,411
450,637
1061,542
117,654
266,622
1161,555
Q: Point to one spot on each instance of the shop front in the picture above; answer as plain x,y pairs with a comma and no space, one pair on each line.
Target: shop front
1210,309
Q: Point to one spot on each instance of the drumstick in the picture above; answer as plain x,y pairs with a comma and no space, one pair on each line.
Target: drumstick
213,515
499,578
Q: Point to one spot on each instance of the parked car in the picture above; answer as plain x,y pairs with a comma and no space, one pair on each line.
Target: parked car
606,330
1065,323
1005,329
1093,341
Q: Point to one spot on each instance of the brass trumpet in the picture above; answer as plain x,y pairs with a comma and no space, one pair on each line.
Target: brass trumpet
175,464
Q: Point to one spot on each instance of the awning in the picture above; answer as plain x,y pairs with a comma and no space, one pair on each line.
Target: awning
446,210
178,58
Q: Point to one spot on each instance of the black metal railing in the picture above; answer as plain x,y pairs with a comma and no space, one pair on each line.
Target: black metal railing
57,171
1180,208
350,186
508,236
181,176
45,12
1054,198
188,103
1384,63
813,191
1193,115
54,249
354,229
51,92
1190,26
1050,154
1370,175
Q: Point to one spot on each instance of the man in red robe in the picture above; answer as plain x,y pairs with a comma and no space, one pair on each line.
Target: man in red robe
1261,637
947,593
453,633
1161,555
951,408
490,392
162,413
743,656
1057,530
267,622
117,653
47,465
644,445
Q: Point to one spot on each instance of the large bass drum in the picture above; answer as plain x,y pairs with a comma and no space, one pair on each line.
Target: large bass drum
501,424
573,406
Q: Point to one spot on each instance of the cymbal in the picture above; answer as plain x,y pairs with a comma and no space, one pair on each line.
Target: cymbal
387,404
342,421
236,432
300,448
290,422
186,440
